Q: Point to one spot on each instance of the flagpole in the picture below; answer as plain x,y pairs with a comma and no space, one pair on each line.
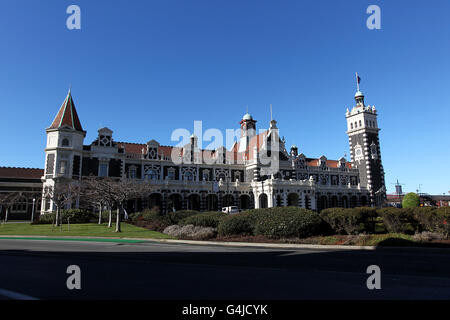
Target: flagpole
357,82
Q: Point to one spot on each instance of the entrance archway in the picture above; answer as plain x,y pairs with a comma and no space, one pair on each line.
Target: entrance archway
174,202
228,200
344,202
155,201
292,200
212,202
245,201
193,202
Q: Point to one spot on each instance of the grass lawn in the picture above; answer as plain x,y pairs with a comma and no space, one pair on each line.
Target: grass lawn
88,229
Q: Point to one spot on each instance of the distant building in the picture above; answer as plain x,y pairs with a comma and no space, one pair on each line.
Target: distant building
426,200
27,184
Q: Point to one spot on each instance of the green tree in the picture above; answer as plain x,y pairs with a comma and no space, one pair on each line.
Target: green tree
411,200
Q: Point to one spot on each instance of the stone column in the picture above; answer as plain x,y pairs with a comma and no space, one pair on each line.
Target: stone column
164,202
219,200
184,201
313,202
284,199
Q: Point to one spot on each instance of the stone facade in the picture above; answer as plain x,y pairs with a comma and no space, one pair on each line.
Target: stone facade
188,177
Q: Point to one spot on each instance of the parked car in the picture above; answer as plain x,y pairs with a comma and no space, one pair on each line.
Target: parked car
230,210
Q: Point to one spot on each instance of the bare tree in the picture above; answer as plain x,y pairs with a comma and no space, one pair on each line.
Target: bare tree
61,194
113,192
100,190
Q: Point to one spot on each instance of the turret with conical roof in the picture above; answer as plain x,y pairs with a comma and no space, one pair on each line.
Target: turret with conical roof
67,115
64,149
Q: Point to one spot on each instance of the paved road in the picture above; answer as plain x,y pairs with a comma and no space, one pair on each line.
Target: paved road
177,271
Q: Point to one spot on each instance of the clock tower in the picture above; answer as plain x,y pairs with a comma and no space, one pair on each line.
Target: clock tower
362,129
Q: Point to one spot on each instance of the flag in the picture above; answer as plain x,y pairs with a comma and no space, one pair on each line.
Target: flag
358,79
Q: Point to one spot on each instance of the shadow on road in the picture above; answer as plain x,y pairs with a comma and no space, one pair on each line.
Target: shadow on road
151,271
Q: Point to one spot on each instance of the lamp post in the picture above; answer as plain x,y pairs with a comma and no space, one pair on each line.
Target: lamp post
32,210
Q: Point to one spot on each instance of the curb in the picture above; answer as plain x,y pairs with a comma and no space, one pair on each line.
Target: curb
225,244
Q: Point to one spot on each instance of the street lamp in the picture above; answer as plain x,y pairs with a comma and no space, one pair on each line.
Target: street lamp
32,210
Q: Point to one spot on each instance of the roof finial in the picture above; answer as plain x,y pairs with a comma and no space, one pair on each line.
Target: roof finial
70,86
271,112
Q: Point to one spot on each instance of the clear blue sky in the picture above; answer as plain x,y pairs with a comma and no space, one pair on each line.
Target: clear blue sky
144,68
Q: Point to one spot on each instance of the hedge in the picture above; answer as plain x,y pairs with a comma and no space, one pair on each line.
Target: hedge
350,221
205,219
238,224
277,222
177,216
288,222
396,220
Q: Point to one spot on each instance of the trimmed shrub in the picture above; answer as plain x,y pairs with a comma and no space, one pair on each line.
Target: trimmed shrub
443,221
206,219
238,224
424,219
410,200
105,216
46,218
277,222
75,216
350,221
396,220
177,216
154,220
288,222
190,232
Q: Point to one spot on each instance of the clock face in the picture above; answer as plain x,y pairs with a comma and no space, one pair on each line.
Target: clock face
358,152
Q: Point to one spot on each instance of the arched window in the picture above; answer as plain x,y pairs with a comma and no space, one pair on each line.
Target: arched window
188,176
151,174
65,142
351,125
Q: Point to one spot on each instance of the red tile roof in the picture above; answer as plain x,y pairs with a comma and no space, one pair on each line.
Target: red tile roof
21,173
67,115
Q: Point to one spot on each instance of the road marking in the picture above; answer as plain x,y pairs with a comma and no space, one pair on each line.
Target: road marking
15,295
